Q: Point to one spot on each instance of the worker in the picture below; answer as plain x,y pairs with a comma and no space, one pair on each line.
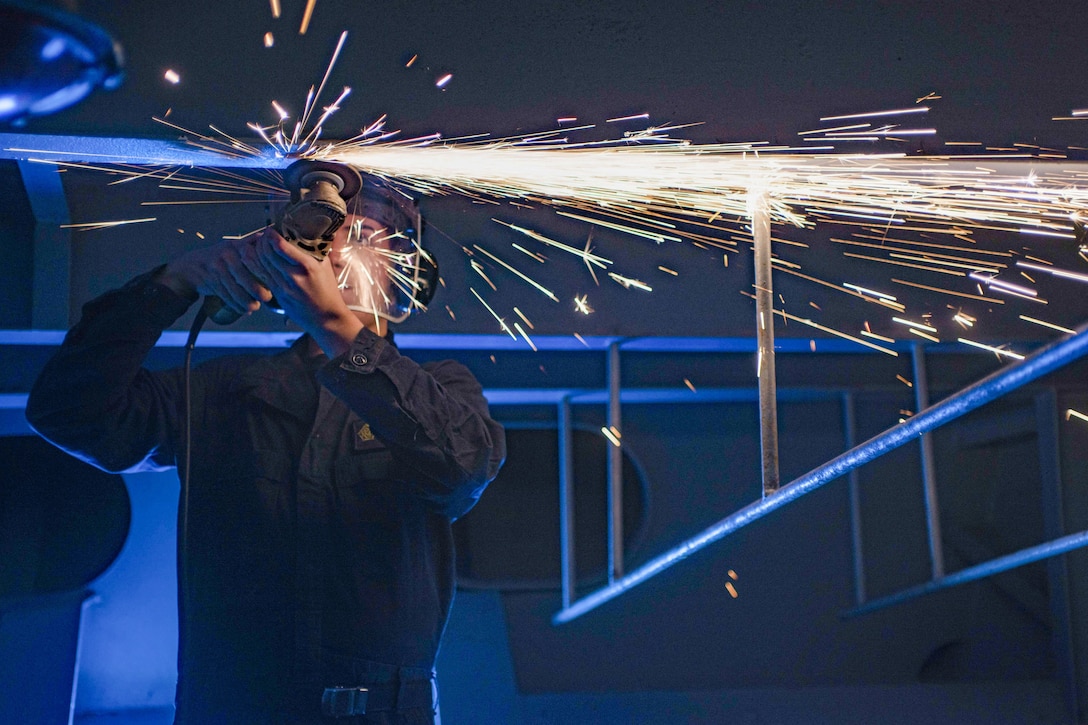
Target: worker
316,568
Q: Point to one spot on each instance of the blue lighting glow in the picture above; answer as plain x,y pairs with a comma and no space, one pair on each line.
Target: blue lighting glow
54,48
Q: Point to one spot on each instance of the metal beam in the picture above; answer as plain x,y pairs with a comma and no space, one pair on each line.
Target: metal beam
929,468
107,150
51,254
849,434
980,571
993,386
567,563
615,468
768,408
1061,620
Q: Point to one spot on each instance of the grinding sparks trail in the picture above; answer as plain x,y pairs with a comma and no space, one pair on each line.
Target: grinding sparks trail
651,187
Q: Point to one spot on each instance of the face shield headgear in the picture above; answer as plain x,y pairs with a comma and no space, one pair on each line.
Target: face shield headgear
380,264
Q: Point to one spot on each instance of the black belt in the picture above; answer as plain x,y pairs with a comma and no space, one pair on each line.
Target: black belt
386,696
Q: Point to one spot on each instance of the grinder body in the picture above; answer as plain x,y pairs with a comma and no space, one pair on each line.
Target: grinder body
320,191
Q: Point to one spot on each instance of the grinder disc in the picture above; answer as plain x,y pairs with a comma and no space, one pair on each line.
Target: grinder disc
295,176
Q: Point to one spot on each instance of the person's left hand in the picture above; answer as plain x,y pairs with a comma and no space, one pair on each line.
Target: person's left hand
307,291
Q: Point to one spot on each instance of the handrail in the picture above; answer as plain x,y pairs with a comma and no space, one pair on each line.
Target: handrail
993,386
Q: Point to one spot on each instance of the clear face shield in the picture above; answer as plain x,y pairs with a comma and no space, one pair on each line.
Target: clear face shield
380,266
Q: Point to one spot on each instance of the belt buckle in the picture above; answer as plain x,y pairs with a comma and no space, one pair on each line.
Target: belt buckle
344,701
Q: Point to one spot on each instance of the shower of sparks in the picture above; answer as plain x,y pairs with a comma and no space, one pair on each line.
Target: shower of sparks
919,213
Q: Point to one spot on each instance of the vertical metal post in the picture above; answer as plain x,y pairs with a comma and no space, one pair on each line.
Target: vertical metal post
52,255
1046,422
768,408
849,432
615,469
566,502
929,472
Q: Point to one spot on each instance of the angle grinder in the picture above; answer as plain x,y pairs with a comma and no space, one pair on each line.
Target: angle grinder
319,191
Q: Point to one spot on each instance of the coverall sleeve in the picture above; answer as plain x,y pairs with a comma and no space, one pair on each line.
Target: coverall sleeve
434,418
95,400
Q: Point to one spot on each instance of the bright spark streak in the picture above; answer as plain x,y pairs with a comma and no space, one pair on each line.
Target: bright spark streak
628,282
832,331
524,318
269,40
914,325
942,290
172,76
863,290
882,338
517,326
444,80
527,278
1063,273
874,114
583,254
919,333
1051,325
996,350
105,225
275,8
306,15
635,117
1070,413
1003,286
582,305
502,322
611,434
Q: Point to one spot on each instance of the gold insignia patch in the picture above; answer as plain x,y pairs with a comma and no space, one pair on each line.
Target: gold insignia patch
365,433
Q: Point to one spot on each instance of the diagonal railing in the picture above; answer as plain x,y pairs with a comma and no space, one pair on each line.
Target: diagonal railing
992,387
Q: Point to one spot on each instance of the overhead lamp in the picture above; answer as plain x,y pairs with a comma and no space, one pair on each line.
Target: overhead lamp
50,59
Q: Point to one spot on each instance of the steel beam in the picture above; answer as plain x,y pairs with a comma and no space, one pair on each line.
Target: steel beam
849,434
1029,555
615,468
929,469
566,502
993,386
1050,475
768,408
107,150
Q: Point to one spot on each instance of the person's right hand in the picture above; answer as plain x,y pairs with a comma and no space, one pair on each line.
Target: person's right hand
224,270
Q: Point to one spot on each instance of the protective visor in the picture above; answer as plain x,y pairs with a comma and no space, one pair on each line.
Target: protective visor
377,257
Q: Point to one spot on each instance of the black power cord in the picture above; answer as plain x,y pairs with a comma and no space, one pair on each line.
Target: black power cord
183,510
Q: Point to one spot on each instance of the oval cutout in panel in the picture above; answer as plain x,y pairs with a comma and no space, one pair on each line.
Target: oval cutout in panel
510,540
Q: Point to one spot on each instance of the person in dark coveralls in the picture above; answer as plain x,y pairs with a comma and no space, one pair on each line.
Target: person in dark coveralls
323,479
